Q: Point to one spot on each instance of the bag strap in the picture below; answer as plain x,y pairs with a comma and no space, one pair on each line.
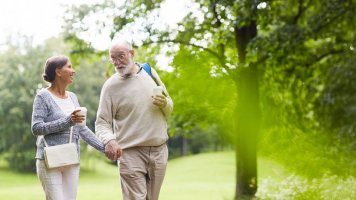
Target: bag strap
147,68
70,137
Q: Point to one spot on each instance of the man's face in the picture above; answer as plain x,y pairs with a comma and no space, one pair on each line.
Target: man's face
122,58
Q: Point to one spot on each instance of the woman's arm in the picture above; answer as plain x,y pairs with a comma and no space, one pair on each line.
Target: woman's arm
38,124
89,137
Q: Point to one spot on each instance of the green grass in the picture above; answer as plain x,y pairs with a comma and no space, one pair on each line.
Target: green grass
205,176
208,176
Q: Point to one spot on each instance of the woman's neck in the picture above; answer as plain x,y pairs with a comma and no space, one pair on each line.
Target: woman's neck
59,91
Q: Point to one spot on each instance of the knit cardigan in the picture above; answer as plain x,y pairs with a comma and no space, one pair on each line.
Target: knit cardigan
49,120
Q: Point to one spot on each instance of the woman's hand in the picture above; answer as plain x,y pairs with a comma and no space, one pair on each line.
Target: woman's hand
77,118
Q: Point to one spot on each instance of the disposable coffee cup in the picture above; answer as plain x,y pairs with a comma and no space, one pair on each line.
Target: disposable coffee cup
158,90
82,112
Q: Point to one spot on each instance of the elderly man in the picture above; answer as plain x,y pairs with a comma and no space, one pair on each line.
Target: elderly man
131,122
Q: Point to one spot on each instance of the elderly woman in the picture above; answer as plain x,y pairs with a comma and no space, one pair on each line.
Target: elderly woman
53,116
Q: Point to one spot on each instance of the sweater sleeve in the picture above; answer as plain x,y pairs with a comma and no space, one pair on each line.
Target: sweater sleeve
167,110
38,124
85,133
89,137
104,118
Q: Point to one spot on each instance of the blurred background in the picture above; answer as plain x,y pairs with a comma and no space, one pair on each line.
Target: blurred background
263,91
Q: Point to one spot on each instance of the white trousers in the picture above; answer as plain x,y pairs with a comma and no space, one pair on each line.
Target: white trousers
60,183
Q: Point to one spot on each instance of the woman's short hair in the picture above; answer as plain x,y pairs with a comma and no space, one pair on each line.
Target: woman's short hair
53,63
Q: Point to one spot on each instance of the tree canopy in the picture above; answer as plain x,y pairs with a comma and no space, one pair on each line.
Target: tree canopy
274,74
280,56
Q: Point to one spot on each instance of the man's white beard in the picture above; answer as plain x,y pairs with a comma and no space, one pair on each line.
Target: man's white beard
123,71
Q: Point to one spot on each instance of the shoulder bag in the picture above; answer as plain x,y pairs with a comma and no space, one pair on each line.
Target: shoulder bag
61,155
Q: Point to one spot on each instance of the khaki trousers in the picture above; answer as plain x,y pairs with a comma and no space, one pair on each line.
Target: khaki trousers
142,171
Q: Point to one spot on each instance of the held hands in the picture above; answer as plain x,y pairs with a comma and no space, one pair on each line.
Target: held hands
113,150
159,100
77,118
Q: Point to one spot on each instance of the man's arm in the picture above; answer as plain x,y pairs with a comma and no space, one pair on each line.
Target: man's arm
168,107
103,126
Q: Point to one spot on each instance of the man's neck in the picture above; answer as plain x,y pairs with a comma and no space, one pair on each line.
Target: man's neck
134,70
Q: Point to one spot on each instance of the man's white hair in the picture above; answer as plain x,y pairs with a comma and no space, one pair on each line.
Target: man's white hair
121,42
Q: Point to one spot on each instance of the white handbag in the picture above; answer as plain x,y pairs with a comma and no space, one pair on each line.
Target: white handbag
61,155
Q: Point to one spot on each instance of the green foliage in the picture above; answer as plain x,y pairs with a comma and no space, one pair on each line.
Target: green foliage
304,51
200,107
337,112
21,69
205,102
90,75
306,90
299,188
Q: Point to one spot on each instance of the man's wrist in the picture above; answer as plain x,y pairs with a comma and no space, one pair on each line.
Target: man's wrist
109,141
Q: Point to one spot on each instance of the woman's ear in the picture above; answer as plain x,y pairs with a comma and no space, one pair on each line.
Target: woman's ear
58,73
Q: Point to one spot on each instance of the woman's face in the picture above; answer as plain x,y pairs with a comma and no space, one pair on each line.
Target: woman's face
65,74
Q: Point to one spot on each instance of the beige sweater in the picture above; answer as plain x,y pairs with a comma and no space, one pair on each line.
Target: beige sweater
126,111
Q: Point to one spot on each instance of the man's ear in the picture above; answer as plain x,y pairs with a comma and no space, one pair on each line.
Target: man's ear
132,52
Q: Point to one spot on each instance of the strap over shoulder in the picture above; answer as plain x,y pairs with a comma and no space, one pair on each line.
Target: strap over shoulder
147,68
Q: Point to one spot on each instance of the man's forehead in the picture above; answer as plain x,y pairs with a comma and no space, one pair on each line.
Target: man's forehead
117,50
119,46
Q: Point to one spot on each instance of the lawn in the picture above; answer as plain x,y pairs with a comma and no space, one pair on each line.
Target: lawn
207,176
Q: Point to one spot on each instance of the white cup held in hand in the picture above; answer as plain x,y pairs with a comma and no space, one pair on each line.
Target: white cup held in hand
82,112
158,90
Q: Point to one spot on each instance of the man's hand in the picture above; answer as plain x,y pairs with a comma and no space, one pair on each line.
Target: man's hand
159,100
113,150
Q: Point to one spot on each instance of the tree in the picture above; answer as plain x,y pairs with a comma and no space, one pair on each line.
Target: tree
20,71
200,107
249,41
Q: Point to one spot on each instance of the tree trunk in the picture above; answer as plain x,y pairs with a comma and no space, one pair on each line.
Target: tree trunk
247,117
183,146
